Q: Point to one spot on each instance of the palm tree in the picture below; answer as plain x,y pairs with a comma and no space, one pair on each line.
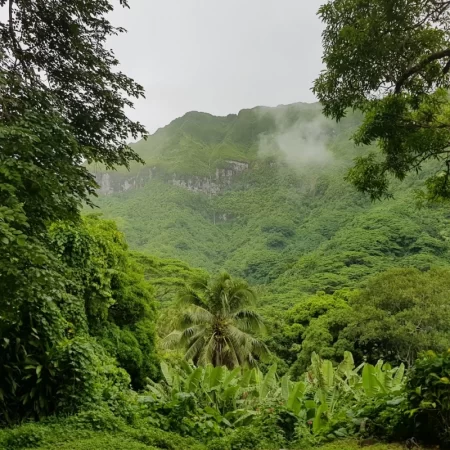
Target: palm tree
216,326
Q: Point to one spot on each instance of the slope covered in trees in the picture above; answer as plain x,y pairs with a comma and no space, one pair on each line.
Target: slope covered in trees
287,221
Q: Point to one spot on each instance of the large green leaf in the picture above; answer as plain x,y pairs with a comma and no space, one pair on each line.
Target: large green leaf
294,402
368,379
231,376
286,384
194,379
246,377
230,393
347,365
320,419
399,374
167,373
216,376
268,381
327,374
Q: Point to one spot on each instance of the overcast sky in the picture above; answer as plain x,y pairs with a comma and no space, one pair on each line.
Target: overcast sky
218,56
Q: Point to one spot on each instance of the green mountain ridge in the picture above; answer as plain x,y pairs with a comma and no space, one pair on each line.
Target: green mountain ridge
262,194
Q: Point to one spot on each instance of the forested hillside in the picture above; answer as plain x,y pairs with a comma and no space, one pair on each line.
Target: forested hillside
285,219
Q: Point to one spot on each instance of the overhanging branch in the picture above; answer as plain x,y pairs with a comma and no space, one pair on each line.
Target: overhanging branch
418,67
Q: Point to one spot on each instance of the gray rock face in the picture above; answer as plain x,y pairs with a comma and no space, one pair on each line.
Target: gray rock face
112,182
211,185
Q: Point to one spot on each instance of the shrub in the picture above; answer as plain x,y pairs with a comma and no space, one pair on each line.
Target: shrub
277,424
219,444
26,436
244,438
101,419
428,391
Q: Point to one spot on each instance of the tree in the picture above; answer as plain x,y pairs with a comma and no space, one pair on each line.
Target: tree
62,103
313,325
401,313
114,303
216,327
391,60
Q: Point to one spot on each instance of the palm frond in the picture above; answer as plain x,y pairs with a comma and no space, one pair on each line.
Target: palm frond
195,315
207,355
190,295
241,295
196,345
249,320
172,340
249,346
260,349
240,342
232,356
188,334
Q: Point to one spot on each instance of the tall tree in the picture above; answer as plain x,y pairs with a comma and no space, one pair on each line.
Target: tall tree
391,59
216,326
62,103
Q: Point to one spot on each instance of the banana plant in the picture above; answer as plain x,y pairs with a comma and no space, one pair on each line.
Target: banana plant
238,394
336,387
382,379
292,394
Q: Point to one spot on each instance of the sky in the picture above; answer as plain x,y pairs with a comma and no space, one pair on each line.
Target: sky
218,56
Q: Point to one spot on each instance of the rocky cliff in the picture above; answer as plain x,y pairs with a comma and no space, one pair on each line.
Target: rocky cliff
113,182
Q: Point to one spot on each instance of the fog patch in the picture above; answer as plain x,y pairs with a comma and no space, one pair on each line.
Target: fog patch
301,143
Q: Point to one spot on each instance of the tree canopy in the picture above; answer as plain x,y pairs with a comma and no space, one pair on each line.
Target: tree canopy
62,104
401,313
391,60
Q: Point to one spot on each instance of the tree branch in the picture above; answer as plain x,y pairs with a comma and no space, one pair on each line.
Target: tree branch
418,67
446,68
12,32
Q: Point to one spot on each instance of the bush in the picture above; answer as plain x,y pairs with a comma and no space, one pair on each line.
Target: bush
92,430
164,439
101,419
101,442
428,391
244,438
277,424
219,444
26,436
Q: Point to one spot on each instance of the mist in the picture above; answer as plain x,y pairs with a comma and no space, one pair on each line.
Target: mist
302,145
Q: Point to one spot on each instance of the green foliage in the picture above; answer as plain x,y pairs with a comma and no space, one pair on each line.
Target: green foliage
391,62
247,438
348,444
428,392
50,361
47,130
328,402
394,317
216,326
167,276
292,228
118,304
94,430
238,409
28,436
401,313
313,325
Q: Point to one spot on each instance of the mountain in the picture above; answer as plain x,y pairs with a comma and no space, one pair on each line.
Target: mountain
262,194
